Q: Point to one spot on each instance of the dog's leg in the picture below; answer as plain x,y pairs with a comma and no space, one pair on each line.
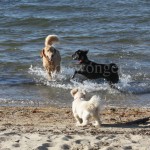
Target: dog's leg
48,71
85,119
58,68
84,73
96,117
49,76
78,119
74,74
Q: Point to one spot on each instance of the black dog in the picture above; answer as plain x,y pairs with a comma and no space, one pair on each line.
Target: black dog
92,70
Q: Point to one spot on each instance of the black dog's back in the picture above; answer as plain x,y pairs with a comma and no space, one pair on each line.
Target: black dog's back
92,70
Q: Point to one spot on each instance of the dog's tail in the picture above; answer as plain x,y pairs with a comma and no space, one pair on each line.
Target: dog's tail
95,100
50,39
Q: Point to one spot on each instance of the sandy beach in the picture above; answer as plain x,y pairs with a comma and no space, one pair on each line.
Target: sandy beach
53,128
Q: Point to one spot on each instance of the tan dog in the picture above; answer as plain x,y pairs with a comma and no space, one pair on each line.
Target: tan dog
51,57
83,110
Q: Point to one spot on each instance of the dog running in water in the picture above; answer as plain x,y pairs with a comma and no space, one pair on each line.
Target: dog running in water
92,70
50,56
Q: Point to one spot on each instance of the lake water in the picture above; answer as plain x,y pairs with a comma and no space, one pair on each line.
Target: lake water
113,31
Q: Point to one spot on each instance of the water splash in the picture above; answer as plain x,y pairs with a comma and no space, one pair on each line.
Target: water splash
63,80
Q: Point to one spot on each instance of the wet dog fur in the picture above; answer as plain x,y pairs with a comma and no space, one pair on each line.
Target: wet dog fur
92,70
50,56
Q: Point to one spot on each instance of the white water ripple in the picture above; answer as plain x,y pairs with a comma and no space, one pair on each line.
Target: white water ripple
63,80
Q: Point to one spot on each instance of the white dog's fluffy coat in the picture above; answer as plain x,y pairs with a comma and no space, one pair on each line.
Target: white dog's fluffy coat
83,110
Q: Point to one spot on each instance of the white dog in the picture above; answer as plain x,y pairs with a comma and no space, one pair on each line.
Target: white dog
83,110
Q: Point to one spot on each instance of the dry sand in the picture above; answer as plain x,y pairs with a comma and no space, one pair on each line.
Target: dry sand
53,128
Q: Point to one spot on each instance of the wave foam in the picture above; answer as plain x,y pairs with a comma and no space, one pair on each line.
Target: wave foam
63,80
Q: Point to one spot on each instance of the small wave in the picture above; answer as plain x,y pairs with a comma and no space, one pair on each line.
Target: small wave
18,102
63,80
28,21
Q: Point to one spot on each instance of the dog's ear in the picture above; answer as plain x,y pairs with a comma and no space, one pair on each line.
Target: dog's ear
42,53
86,51
84,92
73,91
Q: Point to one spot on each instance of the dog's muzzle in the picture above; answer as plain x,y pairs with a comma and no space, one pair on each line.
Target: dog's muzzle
74,57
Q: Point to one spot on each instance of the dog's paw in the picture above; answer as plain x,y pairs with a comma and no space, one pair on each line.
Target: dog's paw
78,124
96,124
72,77
49,78
83,124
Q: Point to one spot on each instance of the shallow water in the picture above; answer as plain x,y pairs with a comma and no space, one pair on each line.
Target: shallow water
112,32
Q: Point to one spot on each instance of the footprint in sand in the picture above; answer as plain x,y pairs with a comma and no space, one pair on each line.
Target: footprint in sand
44,146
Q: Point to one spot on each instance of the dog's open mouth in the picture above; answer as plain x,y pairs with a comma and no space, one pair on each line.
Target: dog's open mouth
75,57
80,61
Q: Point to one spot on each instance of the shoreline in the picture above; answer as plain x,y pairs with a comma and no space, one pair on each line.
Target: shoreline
54,128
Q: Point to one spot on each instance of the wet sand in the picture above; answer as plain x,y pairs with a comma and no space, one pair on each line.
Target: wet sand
53,128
